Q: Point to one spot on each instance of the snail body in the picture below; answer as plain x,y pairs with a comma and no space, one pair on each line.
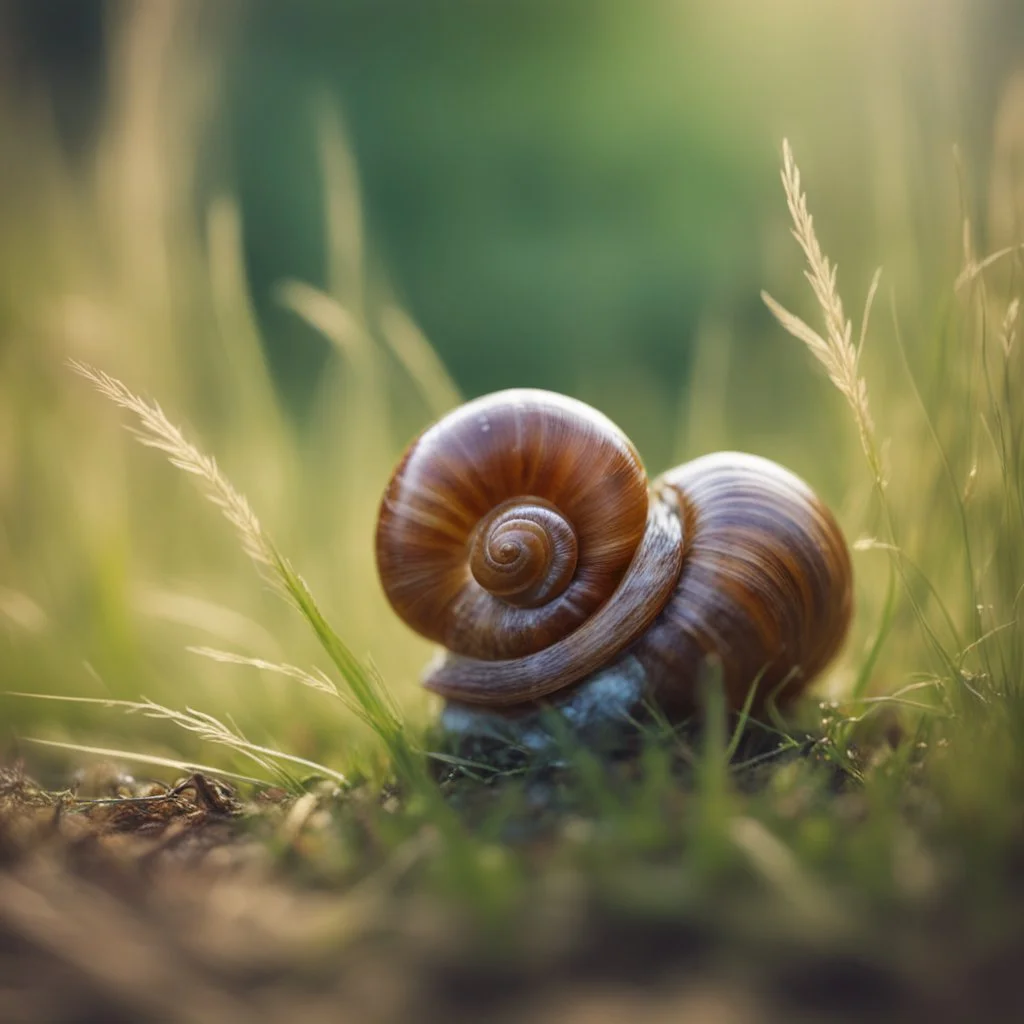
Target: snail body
520,533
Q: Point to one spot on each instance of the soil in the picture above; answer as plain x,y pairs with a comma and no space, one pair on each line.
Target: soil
192,904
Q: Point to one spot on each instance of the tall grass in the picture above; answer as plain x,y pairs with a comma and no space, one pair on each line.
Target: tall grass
369,700
99,542
976,644
110,570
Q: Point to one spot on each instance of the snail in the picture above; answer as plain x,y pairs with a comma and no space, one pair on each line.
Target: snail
520,533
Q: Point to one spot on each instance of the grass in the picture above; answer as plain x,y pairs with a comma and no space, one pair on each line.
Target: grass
368,699
881,826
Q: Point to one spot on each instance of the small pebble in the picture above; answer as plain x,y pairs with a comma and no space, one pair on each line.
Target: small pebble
599,713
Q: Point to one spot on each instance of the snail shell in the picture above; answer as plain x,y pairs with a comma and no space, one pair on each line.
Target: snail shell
521,534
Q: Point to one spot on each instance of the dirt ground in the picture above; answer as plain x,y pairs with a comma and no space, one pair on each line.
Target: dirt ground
173,909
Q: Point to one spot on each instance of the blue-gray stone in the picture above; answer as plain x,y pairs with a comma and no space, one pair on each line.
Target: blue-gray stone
599,712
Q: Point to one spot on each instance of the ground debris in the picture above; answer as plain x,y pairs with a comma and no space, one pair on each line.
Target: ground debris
194,902
18,791
137,818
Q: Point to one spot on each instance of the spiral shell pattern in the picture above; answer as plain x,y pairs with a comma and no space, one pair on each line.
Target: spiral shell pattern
519,532
510,522
766,587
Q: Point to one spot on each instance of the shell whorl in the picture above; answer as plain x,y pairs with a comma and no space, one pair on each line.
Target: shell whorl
766,587
524,552
519,532
509,523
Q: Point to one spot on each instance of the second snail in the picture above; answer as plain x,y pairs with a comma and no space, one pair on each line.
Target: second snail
520,532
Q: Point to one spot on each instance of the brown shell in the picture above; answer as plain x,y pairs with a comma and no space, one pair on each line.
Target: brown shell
734,560
643,592
567,468
766,585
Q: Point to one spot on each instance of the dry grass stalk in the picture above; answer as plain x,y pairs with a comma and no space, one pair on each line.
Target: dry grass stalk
1010,323
835,350
973,267
155,430
371,701
417,356
315,680
208,728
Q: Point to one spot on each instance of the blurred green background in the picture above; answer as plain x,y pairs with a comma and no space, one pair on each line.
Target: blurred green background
557,192
580,195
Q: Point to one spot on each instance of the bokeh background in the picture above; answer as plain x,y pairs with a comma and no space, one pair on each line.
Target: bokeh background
258,213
